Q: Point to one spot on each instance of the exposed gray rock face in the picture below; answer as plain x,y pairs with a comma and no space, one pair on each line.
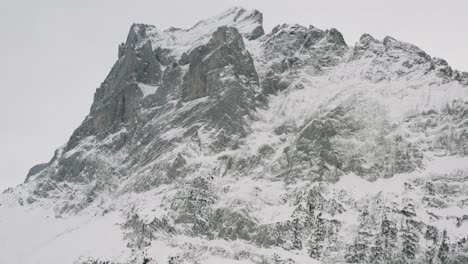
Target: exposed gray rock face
35,170
219,73
116,100
224,143
289,47
253,17
223,56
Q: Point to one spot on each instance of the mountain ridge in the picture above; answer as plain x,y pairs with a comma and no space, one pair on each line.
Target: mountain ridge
222,143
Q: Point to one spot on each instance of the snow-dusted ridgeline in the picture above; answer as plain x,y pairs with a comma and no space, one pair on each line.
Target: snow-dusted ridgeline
223,144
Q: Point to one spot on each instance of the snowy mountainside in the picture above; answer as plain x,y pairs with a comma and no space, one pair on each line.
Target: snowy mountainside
225,144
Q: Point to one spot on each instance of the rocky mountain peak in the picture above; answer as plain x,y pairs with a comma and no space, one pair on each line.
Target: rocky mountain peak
335,36
365,41
220,144
137,33
367,38
248,22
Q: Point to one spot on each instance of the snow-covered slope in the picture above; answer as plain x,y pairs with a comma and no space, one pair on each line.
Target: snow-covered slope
223,144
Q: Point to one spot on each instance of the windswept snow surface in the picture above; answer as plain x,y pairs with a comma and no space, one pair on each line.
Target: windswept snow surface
180,41
37,234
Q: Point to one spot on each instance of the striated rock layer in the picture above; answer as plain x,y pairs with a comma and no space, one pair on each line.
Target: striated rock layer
223,144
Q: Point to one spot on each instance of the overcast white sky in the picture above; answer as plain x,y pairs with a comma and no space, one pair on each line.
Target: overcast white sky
55,53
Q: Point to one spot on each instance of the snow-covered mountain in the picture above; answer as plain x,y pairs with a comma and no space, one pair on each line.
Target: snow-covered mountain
225,144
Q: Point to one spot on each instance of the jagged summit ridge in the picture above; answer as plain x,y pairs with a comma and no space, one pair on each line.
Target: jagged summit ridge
173,42
220,143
